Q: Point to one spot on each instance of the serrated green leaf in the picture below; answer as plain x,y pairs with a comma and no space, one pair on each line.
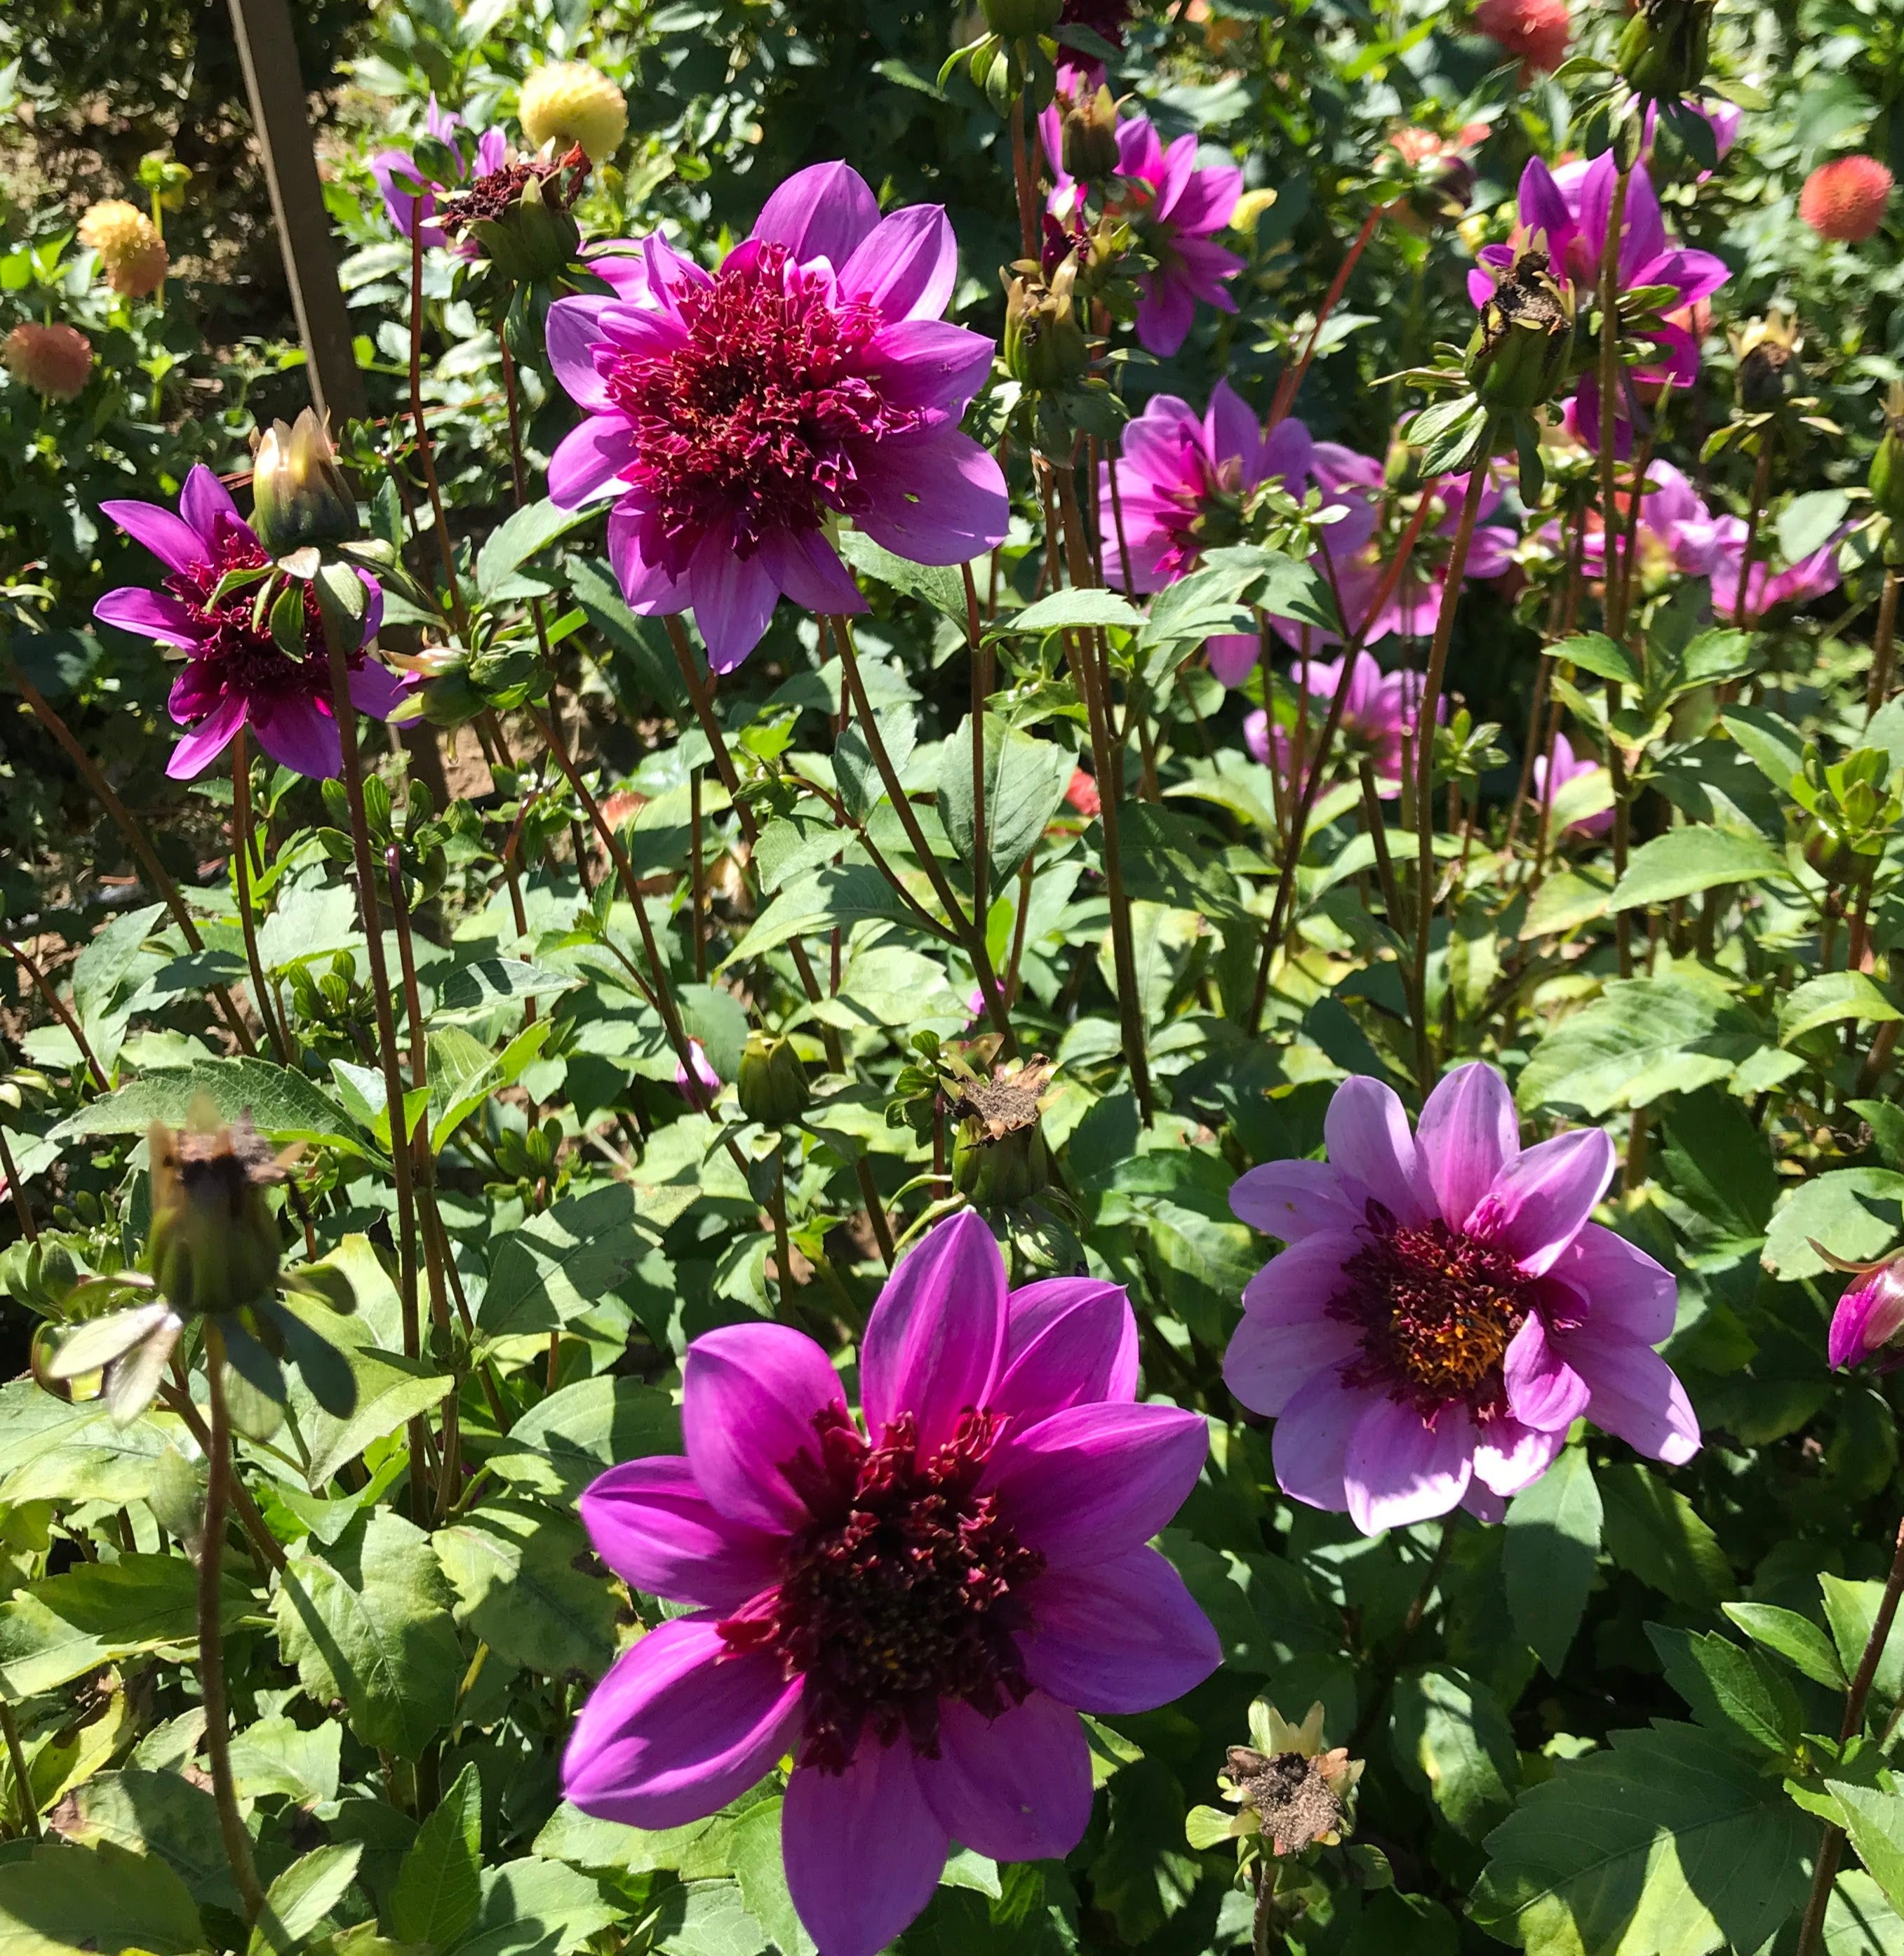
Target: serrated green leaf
1732,1690
1854,1213
558,1447
1687,860
558,1265
1549,1555
1596,653
512,1568
1651,1529
59,1898
1452,1740
1796,1639
439,1888
1830,998
301,1898
1025,783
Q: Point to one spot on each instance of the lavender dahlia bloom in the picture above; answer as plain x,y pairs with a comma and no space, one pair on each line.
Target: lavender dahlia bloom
1379,715
1445,1310
411,198
734,414
914,1612
235,674
1176,209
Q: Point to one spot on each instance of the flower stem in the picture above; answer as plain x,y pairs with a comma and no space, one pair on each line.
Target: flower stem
1856,1695
155,874
211,1646
1884,660
22,1207
981,692
1021,172
1425,720
241,862
365,864
425,456
22,1777
697,878
1754,522
1609,346
1291,384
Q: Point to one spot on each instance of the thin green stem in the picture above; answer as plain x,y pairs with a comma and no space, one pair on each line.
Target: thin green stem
241,863
23,1779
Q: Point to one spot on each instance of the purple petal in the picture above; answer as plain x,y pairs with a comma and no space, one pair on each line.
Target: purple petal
203,745
1232,429
574,331
589,460
170,538
153,614
824,212
376,690
808,569
752,1397
1367,1130
1069,1341
1120,1636
1309,1446
1544,1392
206,504
1291,1199
653,1526
935,1336
1510,1457
1636,1395
926,363
863,1851
1208,199
1017,1787
1539,1200
650,592
733,599
1698,274
1624,1287
908,265
1098,1480
1233,656
1288,452
1275,1351
1469,1133
937,499
1399,1470
1165,313
678,1728
297,733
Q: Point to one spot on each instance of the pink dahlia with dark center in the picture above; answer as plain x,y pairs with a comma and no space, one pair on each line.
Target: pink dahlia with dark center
915,1609
736,416
1445,1310
235,673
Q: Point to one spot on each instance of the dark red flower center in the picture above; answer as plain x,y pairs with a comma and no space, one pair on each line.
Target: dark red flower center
490,196
753,424
905,1588
1436,1310
236,652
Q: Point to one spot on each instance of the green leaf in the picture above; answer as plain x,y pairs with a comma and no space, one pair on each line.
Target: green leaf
1859,1921
710,1918
1769,740
1079,607
474,991
558,1265
942,586
1714,657
1642,1038
536,1906
59,1898
439,1889
368,1622
161,1814
754,1850
1732,1691
301,1898
1853,1212
1596,653
1874,1822
50,1450
512,1568
1796,1639
519,537
839,895
1851,1609
301,1763
1549,1555
1806,523
1651,1530
1670,1844
1143,1874
1025,783
1833,996
1452,1740
1687,860
862,785
284,1106
561,1444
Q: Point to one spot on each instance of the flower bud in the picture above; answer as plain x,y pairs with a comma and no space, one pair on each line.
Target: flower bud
299,495
1768,363
772,1086
1044,344
999,1155
214,1242
129,246
1090,128
1517,357
1869,1316
569,102
1887,465
701,1087
54,361
1662,51
1021,20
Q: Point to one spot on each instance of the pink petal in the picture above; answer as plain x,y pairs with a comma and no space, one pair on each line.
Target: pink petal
297,732
678,1728
207,504
908,265
653,1526
1636,1395
153,614
733,599
1069,1341
1367,1130
1096,1481
203,745
1510,1457
1120,1635
171,539
808,569
1232,429
1017,1787
938,498
935,1336
826,211
1234,656
1166,311
1539,1200
752,1397
1625,1288
926,363
1310,1446
1291,1199
574,332
1469,1133
863,1851
589,460
1270,1359
1399,1470
650,592
1543,1391
376,690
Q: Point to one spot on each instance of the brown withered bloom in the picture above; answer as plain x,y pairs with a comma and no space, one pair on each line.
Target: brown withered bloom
999,1155
1291,1794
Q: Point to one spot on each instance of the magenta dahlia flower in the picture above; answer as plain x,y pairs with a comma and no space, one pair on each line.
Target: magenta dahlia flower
734,414
1378,716
1870,1315
1811,577
1175,208
1181,483
915,1612
1549,779
235,674
1445,1310
411,198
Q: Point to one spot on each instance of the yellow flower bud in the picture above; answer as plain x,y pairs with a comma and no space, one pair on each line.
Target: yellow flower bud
129,247
569,103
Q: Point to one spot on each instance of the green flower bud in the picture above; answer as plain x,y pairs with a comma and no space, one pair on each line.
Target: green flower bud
998,1156
1044,344
214,1245
1021,20
1517,357
1090,127
1887,465
772,1084
299,495
1662,52
532,240
1769,368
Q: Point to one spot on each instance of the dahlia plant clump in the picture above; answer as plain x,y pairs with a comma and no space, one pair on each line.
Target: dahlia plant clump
990,887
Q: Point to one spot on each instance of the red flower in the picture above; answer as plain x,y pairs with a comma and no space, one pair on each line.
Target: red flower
1537,30
1082,794
1845,199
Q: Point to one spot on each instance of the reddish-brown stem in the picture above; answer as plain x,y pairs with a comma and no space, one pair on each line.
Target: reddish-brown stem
426,454
57,1006
1291,384
1883,657
1021,173
241,862
697,879
22,1208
